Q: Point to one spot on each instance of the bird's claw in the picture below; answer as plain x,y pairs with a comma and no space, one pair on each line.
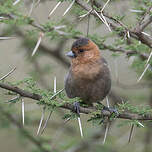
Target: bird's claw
77,108
111,110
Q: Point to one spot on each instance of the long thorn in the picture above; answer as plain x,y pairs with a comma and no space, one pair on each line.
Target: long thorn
23,111
108,124
56,93
6,38
107,100
46,122
54,9
149,58
41,120
54,84
31,9
80,127
106,132
17,1
38,43
143,72
5,76
140,124
68,8
105,5
105,22
131,132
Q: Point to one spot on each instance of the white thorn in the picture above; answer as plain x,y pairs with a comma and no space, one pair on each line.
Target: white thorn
80,126
103,19
7,38
105,5
38,43
6,75
23,111
59,27
140,124
54,8
147,34
128,34
41,120
99,16
149,58
143,72
57,93
31,9
135,11
46,122
84,15
68,8
106,132
54,84
17,1
107,100
106,23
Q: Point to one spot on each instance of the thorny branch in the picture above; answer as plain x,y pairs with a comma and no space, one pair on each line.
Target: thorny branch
136,33
27,94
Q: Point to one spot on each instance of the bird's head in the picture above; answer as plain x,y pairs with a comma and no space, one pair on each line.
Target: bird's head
83,50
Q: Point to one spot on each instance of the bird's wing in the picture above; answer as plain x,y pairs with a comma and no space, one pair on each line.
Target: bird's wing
69,86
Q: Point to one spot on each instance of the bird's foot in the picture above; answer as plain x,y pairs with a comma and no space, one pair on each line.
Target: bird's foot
77,108
111,110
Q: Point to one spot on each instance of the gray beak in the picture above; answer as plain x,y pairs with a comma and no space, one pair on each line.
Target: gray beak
71,54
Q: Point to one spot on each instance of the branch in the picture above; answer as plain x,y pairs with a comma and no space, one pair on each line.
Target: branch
133,33
27,94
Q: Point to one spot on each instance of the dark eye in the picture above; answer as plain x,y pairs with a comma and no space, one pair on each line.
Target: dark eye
81,50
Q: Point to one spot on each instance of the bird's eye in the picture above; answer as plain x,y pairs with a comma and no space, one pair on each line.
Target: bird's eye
81,50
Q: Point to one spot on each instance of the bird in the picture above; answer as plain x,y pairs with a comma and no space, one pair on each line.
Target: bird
89,75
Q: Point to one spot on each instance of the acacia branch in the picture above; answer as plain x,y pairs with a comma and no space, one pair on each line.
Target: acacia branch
68,106
136,34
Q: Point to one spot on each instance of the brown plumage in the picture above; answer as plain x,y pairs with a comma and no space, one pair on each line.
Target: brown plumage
89,76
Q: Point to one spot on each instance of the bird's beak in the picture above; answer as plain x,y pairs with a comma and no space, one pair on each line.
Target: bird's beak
71,54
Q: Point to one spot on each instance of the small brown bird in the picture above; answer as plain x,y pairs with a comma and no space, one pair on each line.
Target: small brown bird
89,75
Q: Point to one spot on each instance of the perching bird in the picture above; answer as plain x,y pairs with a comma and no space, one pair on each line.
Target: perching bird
89,75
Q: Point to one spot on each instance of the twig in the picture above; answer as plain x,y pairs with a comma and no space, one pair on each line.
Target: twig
5,76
